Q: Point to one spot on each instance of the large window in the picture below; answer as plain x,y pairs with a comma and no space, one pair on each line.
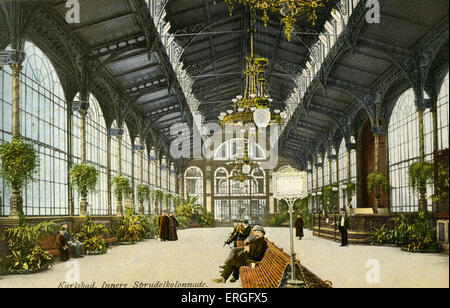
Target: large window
404,150
43,121
193,183
442,115
96,154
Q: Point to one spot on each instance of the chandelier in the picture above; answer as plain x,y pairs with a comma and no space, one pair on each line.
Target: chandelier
253,106
242,167
289,9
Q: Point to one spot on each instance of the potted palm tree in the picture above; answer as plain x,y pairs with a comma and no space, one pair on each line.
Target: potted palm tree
421,174
19,163
122,190
376,183
158,197
83,178
143,193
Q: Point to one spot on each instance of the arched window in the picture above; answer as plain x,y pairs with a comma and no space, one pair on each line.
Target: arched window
96,154
193,183
234,148
442,114
221,182
43,121
404,150
258,183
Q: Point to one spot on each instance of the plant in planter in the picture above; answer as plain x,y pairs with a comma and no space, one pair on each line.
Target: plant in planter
130,230
122,190
92,236
376,183
421,174
19,162
167,198
143,193
329,199
83,178
158,197
24,254
149,226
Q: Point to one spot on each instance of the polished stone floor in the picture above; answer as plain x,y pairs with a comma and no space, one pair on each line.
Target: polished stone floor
196,257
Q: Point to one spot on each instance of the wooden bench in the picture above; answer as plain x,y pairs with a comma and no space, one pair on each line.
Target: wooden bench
47,243
111,240
271,272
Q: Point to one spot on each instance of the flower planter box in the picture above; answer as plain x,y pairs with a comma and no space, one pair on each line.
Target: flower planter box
28,272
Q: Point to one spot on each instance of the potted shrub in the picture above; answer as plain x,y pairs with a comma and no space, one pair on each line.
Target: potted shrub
83,178
158,197
143,193
19,162
122,190
92,236
442,188
421,174
24,255
376,183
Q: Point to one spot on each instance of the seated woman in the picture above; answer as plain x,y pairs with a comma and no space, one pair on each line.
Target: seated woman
61,244
252,252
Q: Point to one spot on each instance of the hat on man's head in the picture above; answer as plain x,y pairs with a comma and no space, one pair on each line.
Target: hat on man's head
259,228
246,222
255,223
61,228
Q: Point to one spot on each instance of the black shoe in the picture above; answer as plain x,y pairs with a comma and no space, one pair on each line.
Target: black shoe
233,279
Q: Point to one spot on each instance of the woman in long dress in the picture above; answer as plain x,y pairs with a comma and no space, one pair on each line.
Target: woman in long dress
173,224
299,227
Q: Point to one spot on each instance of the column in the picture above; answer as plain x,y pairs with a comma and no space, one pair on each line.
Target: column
14,58
420,104
119,172
109,173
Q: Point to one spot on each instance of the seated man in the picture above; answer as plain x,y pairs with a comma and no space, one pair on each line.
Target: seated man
61,244
76,246
252,252
245,231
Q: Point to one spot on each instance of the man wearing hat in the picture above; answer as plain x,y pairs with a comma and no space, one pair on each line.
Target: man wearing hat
343,227
76,247
61,244
234,235
245,231
253,252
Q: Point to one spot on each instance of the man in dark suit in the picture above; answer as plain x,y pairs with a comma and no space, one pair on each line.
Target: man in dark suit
343,227
252,252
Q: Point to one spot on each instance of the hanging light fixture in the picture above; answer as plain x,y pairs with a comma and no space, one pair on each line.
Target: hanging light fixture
289,9
262,117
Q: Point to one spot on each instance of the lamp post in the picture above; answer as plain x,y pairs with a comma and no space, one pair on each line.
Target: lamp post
288,186
314,207
319,195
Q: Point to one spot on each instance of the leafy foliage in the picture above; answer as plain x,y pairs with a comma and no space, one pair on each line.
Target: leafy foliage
121,187
93,235
442,188
23,250
377,181
189,211
300,207
149,226
83,177
130,229
414,234
143,192
329,198
350,188
420,175
19,162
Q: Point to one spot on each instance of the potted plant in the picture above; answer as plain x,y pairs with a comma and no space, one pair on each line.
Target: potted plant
421,174
122,190
167,198
442,188
376,183
83,178
130,231
19,162
158,197
143,193
24,255
92,236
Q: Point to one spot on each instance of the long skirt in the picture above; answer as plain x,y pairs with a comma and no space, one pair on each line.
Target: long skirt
299,232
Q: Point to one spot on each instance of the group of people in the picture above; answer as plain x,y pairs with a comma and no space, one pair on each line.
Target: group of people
66,244
254,246
167,227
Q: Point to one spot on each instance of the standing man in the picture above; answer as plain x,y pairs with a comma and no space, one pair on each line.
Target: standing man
343,227
299,227
173,224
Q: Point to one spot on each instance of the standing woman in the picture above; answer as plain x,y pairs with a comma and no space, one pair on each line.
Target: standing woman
299,227
173,224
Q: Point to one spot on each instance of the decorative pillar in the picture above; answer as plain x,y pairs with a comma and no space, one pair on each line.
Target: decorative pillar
14,59
108,162
132,180
421,105
349,173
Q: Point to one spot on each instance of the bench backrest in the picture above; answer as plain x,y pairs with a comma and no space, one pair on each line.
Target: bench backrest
47,242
